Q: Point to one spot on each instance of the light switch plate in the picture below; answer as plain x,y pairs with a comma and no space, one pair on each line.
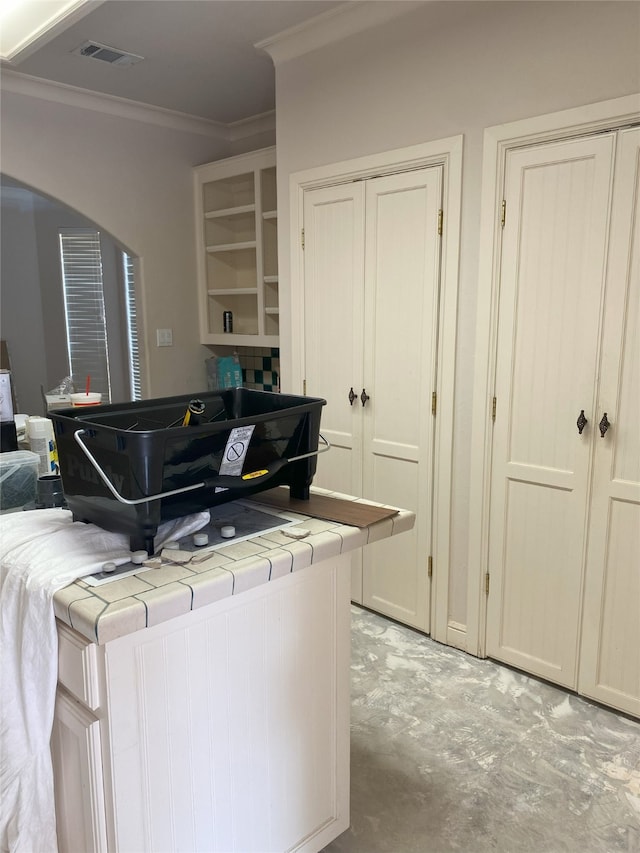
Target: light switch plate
164,337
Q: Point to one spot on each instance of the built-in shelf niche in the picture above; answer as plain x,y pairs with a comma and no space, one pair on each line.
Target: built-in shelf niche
236,212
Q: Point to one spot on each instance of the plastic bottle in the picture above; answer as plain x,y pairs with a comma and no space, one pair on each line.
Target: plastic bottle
42,442
8,434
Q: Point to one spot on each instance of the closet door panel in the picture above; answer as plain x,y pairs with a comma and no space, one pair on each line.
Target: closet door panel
551,285
394,575
610,668
334,316
401,316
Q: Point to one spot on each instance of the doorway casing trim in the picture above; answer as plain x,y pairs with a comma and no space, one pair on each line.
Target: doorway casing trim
448,154
498,140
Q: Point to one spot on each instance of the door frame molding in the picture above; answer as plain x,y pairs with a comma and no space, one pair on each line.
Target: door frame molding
498,140
448,154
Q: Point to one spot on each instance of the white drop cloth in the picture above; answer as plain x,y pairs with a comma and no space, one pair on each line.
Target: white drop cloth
40,552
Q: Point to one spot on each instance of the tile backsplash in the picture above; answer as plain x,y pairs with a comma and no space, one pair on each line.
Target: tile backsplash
260,368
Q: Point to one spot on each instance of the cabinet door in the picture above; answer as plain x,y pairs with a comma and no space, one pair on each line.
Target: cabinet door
334,318
551,286
333,333
610,661
77,771
401,308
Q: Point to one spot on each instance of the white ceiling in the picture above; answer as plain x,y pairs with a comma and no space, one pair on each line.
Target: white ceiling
200,57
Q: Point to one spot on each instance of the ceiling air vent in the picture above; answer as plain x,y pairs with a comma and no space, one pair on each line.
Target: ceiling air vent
104,53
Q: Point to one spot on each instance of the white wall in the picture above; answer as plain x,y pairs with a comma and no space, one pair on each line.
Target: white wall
134,180
21,316
445,69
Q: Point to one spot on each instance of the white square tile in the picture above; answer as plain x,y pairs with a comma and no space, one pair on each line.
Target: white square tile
317,490
210,586
318,525
339,496
281,563
276,538
353,537
242,550
403,521
324,545
248,573
166,602
125,588
63,598
380,530
166,574
121,618
83,614
302,553
213,560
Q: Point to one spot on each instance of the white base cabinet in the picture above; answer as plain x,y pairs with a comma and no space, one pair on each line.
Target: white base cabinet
77,758
226,729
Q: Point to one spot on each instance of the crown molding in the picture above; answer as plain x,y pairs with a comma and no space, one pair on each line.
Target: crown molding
29,28
246,127
338,23
61,93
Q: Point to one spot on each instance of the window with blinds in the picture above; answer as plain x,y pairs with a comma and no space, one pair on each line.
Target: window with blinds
91,318
132,330
84,309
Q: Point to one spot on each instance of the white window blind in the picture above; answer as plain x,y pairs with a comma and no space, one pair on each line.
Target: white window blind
84,309
132,331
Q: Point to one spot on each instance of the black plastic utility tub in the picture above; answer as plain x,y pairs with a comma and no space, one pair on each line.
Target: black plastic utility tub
129,467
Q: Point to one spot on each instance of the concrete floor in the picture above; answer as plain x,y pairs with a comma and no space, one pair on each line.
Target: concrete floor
451,753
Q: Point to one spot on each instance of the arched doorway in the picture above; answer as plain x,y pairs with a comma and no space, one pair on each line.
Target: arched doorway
68,300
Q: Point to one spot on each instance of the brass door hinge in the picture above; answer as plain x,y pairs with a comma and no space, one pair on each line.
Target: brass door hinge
493,409
302,238
440,221
304,387
434,403
486,584
430,566
503,212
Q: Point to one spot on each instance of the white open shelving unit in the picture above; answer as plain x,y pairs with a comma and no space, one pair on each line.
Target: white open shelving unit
237,249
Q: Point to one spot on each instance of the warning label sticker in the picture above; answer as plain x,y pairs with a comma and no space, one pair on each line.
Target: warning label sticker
235,452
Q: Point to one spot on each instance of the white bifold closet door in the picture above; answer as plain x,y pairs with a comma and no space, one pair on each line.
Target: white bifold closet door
372,271
564,600
610,650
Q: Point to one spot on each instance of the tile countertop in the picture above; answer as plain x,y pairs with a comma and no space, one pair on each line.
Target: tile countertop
103,613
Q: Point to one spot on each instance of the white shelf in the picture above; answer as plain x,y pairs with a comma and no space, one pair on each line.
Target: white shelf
231,339
233,291
230,211
232,247
237,254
